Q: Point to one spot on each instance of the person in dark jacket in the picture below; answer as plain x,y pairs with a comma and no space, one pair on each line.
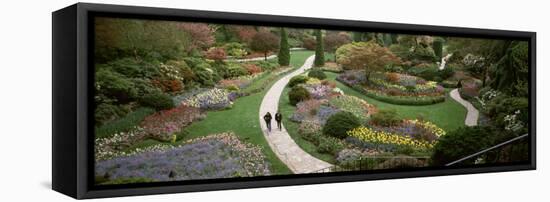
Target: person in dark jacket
267,119
279,119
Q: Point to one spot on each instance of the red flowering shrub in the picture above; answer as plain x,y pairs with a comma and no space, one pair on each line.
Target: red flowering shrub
168,85
309,43
216,53
328,83
252,68
164,124
392,77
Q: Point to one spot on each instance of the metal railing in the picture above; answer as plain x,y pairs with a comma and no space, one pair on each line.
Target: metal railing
377,163
515,149
502,152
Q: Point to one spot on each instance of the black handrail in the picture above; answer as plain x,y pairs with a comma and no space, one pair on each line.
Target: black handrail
482,152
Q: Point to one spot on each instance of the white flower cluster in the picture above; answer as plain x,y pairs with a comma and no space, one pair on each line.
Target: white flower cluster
338,90
487,96
512,122
170,71
110,146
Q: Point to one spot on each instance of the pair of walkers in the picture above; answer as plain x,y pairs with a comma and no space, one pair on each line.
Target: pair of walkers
278,118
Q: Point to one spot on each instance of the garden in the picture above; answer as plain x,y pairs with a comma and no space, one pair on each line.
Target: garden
181,101
383,101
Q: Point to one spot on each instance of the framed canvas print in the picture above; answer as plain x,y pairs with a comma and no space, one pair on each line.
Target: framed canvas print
155,100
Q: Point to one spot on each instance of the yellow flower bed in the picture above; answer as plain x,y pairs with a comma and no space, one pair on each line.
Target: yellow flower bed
429,126
379,137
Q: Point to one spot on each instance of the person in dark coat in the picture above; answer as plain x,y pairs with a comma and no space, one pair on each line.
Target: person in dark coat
279,119
267,119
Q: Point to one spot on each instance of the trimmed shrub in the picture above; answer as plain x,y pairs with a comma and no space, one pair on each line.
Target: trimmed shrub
340,123
386,117
115,85
205,78
317,73
235,49
298,94
462,142
158,101
431,72
401,161
105,112
297,80
310,131
329,145
236,70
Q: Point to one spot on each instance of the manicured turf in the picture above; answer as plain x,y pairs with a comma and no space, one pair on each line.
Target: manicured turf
243,119
448,115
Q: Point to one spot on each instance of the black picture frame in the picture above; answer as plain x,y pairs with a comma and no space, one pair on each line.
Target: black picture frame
72,99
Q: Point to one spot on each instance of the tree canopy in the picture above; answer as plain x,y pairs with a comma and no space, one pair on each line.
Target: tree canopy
264,41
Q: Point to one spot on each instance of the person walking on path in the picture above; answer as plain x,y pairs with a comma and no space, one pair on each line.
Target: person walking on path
279,119
267,119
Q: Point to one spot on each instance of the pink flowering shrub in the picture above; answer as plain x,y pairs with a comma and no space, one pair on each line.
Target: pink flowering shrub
164,124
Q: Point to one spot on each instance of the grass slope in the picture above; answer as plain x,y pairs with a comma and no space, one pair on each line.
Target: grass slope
448,115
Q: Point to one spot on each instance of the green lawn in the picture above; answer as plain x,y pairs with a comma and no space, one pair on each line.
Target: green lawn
243,119
448,115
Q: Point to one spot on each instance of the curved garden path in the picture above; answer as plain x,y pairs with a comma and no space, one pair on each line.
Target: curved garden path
473,113
280,142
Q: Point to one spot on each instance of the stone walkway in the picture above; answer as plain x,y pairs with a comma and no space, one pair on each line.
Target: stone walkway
473,113
280,142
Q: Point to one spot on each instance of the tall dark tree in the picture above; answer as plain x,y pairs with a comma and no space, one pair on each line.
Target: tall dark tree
264,41
357,36
438,47
512,70
284,49
319,49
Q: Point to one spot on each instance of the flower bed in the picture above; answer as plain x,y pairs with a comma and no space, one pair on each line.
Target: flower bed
358,107
313,110
214,156
318,91
187,95
213,99
387,141
109,147
332,67
422,130
353,77
421,94
164,124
